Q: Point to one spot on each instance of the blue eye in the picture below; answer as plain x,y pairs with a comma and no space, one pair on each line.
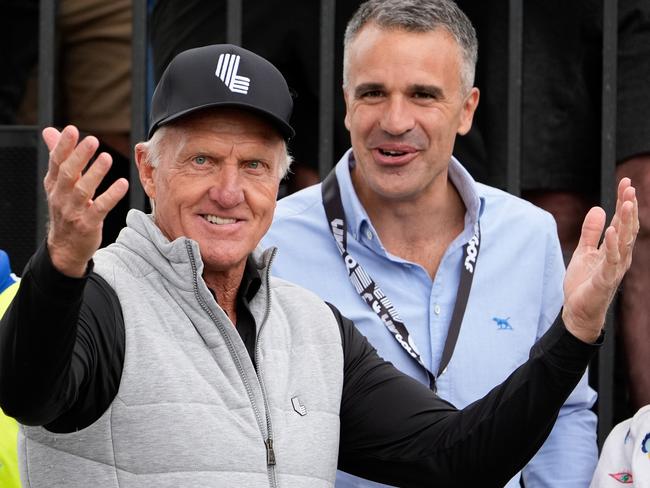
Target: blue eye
200,160
254,164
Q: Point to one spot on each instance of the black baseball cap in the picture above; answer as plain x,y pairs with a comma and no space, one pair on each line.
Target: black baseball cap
221,75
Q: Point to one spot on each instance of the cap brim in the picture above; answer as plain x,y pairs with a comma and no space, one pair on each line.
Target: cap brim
285,129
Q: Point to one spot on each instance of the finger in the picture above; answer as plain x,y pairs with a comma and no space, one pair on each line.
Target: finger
626,194
609,270
635,216
626,228
65,145
630,219
70,170
51,137
105,202
86,186
623,185
592,228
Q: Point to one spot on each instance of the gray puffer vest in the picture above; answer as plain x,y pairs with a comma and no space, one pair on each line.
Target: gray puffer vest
191,411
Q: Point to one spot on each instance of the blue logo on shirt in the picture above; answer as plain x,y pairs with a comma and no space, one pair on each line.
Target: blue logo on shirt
502,324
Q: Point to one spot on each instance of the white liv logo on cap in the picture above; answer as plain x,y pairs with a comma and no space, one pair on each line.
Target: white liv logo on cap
227,67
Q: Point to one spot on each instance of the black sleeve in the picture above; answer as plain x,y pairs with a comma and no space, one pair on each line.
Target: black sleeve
61,348
397,431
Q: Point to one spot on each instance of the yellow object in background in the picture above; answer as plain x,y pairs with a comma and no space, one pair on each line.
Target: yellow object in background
9,474
6,296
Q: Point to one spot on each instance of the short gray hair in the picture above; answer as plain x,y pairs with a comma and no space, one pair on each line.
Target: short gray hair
153,153
417,16
153,149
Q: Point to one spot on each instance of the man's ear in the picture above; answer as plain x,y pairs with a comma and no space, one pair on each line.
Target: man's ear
467,114
347,108
145,169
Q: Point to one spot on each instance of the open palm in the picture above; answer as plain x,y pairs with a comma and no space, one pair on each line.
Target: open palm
595,272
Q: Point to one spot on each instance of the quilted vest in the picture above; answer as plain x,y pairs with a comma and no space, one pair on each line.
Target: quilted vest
191,410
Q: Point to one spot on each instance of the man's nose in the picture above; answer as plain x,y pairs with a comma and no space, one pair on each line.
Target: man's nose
227,190
397,118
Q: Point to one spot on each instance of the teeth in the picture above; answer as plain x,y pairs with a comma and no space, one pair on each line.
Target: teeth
214,219
391,153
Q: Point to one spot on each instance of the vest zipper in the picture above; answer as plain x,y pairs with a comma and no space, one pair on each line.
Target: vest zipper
270,453
268,439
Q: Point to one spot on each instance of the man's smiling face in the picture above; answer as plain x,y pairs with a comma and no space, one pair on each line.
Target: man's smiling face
216,182
405,104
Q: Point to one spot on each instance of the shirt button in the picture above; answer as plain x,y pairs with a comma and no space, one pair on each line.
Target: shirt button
436,309
369,235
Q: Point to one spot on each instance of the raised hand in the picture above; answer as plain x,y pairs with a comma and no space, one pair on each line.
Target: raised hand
75,218
594,273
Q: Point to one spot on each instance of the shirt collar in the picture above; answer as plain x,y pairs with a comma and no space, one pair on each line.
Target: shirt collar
357,217
469,192
251,281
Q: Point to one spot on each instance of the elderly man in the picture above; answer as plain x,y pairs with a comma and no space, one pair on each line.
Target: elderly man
172,358
423,233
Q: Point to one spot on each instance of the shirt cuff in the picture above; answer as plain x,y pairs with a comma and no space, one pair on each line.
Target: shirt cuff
564,351
51,281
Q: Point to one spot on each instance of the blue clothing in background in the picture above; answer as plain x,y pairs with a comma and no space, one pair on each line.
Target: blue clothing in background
7,278
516,295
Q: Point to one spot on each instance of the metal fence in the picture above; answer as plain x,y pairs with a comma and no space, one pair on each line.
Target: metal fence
327,90
326,157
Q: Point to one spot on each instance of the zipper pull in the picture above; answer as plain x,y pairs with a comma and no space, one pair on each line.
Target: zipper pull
270,454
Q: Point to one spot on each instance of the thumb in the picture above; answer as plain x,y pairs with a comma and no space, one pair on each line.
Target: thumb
592,228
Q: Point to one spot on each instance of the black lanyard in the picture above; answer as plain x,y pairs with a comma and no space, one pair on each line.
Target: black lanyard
377,299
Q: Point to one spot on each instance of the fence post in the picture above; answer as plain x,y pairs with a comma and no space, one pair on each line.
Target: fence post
607,199
326,88
46,87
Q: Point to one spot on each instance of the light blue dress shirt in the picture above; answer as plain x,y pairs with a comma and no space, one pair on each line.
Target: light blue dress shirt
516,295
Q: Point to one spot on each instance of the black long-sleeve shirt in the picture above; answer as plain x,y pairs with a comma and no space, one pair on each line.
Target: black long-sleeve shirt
62,351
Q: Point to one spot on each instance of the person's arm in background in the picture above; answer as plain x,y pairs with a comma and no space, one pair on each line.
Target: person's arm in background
633,154
568,457
634,304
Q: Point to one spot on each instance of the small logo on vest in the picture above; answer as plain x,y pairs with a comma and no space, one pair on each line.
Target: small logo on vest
298,406
227,67
502,324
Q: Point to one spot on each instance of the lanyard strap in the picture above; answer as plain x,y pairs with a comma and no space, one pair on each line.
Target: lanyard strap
377,299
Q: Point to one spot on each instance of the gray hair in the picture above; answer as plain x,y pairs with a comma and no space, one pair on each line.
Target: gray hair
153,149
417,16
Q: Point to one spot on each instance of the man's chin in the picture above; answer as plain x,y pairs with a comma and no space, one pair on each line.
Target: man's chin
223,260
